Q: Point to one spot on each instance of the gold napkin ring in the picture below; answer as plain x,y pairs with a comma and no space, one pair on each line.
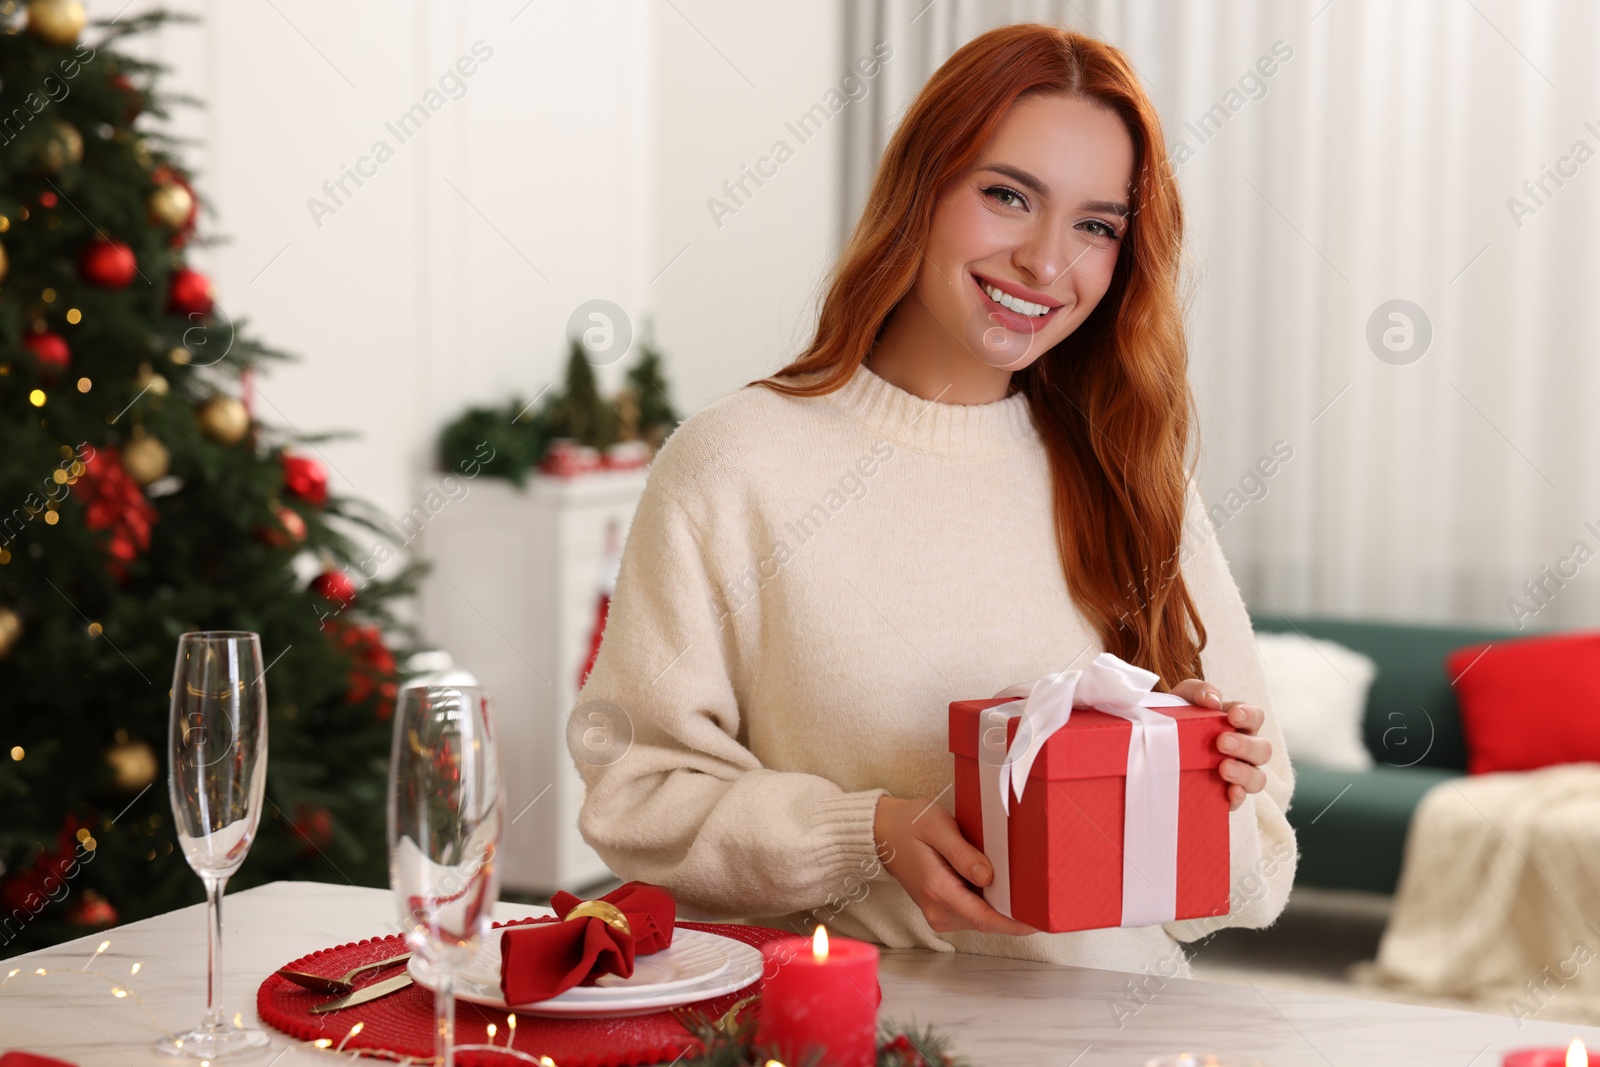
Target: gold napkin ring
603,910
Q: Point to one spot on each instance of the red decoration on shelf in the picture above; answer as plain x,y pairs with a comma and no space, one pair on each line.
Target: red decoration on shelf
50,349
114,502
337,586
566,458
372,667
305,479
47,199
107,263
626,456
190,293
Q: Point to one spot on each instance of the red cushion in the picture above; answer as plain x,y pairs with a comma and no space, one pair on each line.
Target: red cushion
1530,702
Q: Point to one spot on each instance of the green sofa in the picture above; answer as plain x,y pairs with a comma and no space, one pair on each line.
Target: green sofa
1351,825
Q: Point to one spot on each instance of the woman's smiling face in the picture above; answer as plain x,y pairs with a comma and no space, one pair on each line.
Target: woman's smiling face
1023,244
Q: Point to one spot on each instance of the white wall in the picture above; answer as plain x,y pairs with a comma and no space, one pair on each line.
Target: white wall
576,166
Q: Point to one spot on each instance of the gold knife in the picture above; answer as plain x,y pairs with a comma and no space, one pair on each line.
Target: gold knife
364,994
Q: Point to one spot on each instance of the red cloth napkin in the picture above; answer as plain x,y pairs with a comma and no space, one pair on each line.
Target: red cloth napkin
30,1059
540,960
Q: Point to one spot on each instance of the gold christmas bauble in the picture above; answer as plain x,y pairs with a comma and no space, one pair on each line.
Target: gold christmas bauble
10,631
224,420
150,382
57,21
170,205
146,459
64,146
133,764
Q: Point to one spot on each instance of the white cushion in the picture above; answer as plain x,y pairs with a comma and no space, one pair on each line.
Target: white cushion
1318,690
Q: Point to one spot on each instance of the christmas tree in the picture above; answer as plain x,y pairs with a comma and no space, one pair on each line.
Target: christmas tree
581,413
657,418
140,498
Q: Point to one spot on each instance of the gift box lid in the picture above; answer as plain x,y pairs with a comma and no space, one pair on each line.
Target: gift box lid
1093,744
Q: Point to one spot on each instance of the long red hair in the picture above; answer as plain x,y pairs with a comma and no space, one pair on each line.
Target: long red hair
1111,401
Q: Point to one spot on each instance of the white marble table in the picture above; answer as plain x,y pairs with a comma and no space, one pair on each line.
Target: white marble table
1003,1013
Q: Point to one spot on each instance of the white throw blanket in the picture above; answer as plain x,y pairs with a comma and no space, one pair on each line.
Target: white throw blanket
1500,894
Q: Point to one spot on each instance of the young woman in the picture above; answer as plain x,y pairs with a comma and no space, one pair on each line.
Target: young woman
974,476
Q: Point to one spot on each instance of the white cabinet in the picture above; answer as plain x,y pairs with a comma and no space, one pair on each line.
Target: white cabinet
511,597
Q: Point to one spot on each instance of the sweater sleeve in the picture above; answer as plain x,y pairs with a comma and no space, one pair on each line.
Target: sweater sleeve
1261,841
673,794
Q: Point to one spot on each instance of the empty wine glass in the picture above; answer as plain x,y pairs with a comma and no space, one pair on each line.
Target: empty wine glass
445,814
217,772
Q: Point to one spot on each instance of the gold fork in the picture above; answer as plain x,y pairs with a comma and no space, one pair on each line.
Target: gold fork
689,1018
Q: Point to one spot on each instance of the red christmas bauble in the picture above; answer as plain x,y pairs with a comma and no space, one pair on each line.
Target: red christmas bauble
49,349
190,293
337,586
291,529
135,99
47,199
92,909
107,263
314,824
305,479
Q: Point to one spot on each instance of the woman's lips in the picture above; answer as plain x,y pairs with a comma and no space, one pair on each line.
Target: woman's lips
1012,320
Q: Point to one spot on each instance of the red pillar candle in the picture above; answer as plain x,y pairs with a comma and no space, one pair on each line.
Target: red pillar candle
1574,1055
820,995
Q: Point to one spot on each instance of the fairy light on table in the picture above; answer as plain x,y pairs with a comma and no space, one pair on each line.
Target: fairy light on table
120,991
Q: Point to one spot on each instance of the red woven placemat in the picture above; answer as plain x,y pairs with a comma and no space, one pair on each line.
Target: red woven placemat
402,1023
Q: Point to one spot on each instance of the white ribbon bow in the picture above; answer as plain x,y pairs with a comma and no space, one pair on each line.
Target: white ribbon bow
1150,832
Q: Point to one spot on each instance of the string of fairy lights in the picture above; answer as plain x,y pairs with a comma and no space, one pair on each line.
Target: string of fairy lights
119,988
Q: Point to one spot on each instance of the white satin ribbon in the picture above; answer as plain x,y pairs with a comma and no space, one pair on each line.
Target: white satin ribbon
1150,830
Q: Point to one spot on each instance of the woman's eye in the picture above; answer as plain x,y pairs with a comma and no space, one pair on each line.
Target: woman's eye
1005,196
1105,229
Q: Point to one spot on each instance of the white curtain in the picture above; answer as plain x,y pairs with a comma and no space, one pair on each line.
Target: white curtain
1384,159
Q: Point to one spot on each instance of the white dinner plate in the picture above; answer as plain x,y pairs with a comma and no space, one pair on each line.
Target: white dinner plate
696,966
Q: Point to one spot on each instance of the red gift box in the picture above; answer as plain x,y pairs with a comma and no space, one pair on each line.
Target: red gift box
1065,835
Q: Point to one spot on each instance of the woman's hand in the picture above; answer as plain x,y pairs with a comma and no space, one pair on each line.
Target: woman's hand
1245,751
922,846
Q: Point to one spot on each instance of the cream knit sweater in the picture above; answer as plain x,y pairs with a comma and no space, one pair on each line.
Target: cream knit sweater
807,584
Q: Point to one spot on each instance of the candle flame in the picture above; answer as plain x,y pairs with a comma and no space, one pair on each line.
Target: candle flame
819,943
492,1029
1577,1055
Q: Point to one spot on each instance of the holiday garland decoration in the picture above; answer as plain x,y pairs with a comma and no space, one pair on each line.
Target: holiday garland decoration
731,1041
521,433
140,499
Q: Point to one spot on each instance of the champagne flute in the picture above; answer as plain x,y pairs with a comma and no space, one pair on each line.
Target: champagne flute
217,773
445,814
